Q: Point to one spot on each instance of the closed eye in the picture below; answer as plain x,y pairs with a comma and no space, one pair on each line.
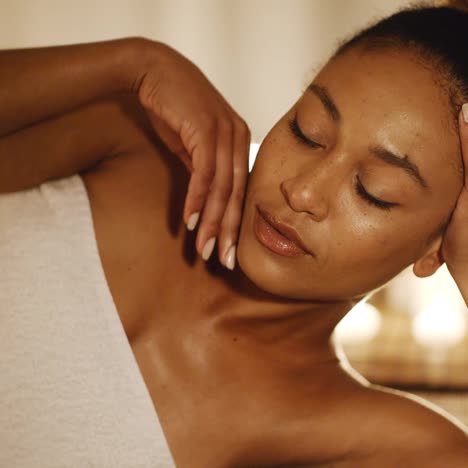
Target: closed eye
374,201
297,132
360,189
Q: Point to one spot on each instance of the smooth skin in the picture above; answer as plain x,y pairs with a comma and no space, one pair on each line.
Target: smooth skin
319,189
192,118
454,249
239,364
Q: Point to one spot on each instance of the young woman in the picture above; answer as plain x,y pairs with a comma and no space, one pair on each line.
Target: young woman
362,177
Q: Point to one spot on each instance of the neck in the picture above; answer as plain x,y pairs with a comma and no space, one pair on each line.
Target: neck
293,332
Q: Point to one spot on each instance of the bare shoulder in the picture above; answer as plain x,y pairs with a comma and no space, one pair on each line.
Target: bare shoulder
414,432
408,410
145,174
136,200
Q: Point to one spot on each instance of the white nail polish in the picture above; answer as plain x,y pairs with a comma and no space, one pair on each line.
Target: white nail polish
231,257
193,220
465,112
208,249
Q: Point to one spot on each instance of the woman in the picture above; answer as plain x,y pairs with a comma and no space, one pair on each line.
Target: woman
360,178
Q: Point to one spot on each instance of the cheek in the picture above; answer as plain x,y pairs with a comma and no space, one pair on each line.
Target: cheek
376,240
275,151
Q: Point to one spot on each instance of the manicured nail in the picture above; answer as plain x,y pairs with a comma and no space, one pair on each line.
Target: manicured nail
465,112
208,249
231,257
193,220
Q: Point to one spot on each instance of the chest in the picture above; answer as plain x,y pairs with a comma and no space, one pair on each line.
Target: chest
216,407
207,412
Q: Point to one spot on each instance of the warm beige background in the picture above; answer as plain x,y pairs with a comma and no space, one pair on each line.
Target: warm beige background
259,53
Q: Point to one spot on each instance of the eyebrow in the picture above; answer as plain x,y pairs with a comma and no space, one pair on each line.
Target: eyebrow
404,162
385,155
327,101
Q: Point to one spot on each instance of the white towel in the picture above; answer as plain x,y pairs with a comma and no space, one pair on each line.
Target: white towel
71,392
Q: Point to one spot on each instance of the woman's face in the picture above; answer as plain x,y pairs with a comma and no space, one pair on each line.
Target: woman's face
381,174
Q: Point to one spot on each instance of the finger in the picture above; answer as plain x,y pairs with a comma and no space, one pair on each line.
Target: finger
170,139
233,214
176,148
463,125
203,171
221,188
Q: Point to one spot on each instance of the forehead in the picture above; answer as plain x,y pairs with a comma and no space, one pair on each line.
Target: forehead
390,98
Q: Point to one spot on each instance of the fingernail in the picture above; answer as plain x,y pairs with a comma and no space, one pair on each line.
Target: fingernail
465,112
231,257
208,249
193,220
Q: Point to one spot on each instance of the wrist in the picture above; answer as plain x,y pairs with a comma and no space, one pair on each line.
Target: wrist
119,65
130,61
136,56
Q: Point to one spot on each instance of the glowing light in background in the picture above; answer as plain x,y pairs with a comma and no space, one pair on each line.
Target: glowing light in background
362,323
441,324
437,310
253,154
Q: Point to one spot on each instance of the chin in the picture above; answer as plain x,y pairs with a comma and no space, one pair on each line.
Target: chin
263,268
266,273
283,282
267,284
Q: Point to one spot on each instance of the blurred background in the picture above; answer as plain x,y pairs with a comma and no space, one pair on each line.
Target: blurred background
261,54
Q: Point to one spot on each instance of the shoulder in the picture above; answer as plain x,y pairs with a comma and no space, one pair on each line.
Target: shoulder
415,432
410,411
451,457
368,426
136,201
139,190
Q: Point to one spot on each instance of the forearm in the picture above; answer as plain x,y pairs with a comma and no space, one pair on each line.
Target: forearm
36,84
73,142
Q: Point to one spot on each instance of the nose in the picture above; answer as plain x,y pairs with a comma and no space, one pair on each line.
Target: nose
309,191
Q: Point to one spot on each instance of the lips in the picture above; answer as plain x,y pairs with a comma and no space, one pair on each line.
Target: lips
278,236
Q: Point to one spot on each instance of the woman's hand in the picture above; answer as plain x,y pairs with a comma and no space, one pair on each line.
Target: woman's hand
199,126
454,247
188,113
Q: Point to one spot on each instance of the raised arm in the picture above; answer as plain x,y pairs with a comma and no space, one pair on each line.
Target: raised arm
191,117
36,84
72,142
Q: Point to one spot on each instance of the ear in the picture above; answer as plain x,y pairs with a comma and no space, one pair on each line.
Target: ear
430,262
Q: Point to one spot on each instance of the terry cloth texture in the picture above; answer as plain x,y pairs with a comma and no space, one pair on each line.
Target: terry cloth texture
71,392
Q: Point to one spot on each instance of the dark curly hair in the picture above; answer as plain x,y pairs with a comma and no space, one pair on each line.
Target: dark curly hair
438,36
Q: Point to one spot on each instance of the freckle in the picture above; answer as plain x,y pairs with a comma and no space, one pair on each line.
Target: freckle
383,241
234,338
